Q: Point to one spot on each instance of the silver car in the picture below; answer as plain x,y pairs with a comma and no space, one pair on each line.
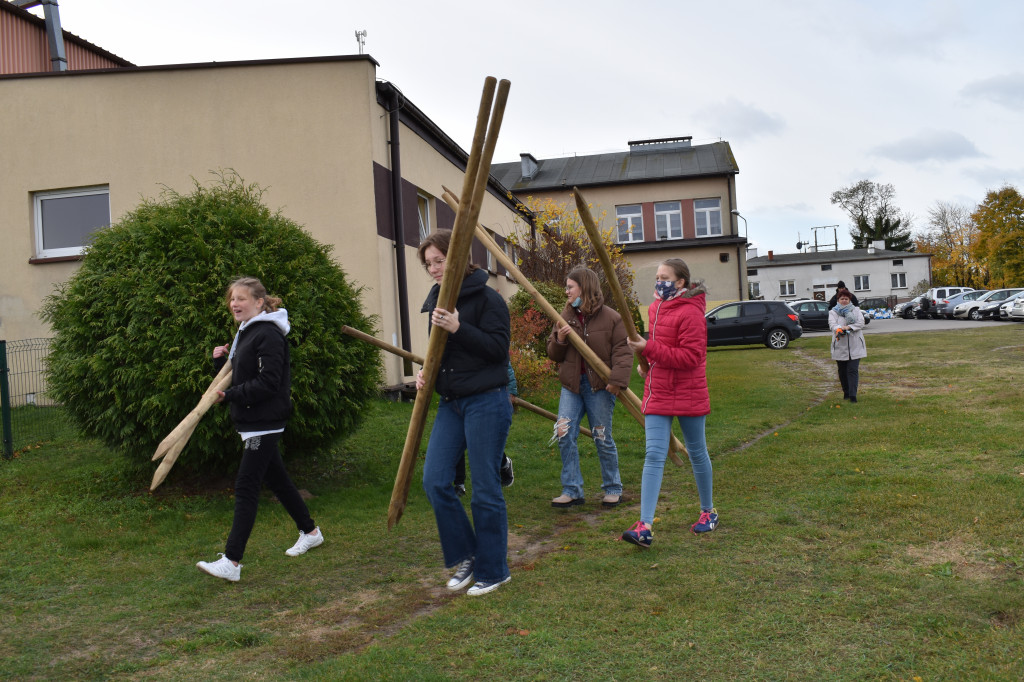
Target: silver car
972,309
1017,310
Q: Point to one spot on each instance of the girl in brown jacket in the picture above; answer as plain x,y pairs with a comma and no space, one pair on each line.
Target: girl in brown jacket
583,391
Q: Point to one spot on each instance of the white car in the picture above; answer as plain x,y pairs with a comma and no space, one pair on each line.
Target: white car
972,309
1017,310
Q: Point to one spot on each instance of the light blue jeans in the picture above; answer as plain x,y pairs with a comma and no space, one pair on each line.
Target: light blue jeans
478,425
598,406
659,431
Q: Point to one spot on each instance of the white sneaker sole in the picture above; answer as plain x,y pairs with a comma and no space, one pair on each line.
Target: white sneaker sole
202,566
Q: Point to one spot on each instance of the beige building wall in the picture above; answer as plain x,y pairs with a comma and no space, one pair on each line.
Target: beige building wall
308,131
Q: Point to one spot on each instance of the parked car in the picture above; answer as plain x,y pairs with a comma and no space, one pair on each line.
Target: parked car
870,303
772,323
971,309
937,294
813,314
1004,309
1017,311
944,307
906,309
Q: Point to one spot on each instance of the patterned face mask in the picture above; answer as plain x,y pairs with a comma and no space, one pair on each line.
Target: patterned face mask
665,290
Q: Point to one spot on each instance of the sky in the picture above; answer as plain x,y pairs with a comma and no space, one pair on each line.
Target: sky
813,96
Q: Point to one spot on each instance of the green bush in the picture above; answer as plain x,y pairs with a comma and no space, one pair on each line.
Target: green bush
531,331
135,326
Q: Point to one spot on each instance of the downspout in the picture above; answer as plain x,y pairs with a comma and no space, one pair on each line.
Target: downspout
54,33
398,228
740,262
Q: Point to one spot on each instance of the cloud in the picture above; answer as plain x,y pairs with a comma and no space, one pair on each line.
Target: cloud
929,145
1007,90
991,177
738,120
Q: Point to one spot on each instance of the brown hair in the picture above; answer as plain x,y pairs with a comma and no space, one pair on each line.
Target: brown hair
440,240
256,288
590,289
679,266
844,292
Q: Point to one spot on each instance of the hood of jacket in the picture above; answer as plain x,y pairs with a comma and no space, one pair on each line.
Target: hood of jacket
279,318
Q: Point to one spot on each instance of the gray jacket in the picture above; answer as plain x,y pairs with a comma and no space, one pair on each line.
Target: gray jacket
849,346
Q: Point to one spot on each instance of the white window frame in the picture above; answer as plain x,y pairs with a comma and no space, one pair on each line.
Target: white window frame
510,251
702,218
861,282
423,213
899,280
753,289
634,220
37,203
491,263
787,287
663,214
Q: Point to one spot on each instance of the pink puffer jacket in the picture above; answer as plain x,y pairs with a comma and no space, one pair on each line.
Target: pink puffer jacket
677,349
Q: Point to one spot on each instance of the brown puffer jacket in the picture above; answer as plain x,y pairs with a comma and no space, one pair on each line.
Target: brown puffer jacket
605,334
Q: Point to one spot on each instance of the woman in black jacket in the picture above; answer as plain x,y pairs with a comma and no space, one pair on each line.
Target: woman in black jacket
473,416
260,402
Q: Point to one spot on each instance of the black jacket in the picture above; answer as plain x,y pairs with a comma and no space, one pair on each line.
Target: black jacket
260,392
476,356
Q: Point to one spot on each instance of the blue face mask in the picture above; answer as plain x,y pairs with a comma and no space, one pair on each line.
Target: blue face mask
665,290
577,302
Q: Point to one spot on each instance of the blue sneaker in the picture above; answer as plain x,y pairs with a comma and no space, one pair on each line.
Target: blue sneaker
639,535
707,522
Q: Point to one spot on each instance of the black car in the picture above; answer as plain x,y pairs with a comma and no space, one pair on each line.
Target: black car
772,323
813,314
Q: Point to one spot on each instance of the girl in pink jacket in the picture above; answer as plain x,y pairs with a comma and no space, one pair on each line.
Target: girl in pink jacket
675,386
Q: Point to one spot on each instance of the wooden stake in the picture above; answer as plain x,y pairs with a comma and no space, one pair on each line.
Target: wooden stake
629,399
384,345
609,271
478,169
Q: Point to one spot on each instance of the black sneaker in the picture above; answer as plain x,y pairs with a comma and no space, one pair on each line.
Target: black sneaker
460,489
508,477
462,576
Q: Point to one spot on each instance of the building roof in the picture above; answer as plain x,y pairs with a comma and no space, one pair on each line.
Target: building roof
816,257
645,162
32,19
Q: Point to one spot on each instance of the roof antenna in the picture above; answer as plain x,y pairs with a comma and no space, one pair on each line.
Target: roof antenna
361,39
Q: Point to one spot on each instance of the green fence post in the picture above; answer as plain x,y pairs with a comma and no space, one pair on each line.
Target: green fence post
5,403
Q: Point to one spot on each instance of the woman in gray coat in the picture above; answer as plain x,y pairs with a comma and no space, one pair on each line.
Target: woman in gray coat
847,323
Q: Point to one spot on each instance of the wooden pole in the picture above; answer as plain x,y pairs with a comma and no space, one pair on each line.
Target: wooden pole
175,442
630,401
478,169
609,271
411,357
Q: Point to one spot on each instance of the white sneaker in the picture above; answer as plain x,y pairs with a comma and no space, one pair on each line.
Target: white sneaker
306,542
483,588
221,568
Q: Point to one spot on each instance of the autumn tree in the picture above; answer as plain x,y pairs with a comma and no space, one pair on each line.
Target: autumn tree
871,207
1000,244
949,237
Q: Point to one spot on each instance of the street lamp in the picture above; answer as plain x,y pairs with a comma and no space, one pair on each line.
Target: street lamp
746,231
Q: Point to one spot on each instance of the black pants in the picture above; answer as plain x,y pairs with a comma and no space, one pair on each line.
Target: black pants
849,376
261,461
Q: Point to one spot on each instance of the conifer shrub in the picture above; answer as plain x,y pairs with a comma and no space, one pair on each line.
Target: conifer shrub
135,326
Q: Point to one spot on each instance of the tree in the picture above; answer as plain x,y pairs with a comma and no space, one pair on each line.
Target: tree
950,237
135,325
866,202
1000,244
557,242
883,229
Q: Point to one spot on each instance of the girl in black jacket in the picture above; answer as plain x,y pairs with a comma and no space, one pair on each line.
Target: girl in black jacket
260,401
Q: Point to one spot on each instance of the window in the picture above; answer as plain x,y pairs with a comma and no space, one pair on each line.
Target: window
899,280
423,209
510,251
751,272
631,223
861,283
753,290
64,220
668,220
708,214
787,287
723,258
490,256
898,262
826,266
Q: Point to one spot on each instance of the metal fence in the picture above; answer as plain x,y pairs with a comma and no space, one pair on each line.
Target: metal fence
29,415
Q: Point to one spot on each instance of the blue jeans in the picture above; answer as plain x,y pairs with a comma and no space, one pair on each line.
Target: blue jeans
659,430
478,425
598,406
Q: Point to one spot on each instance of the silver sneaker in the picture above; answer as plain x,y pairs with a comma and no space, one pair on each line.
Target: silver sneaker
306,542
484,588
463,574
221,568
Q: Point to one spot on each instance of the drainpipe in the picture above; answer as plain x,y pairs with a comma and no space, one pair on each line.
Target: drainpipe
54,33
398,227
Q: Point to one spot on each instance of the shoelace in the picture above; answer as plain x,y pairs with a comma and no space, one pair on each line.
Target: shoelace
638,528
705,517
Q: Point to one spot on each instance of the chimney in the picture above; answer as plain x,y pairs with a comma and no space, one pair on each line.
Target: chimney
529,165
771,255
751,253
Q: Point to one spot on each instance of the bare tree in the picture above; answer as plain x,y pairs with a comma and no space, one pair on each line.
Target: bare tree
867,204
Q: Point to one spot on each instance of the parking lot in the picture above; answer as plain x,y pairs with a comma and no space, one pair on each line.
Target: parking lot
898,324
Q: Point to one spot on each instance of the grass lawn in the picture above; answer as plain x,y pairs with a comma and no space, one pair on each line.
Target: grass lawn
881,540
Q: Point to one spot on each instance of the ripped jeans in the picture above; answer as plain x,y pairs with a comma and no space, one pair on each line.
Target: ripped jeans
598,406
